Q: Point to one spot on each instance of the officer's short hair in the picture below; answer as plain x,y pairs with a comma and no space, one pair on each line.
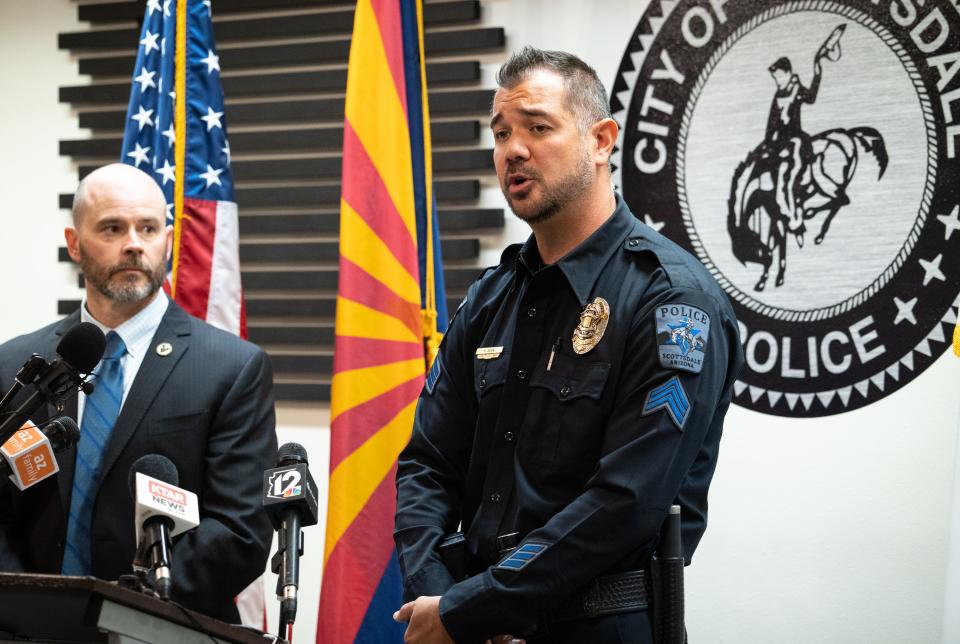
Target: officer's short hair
782,63
586,97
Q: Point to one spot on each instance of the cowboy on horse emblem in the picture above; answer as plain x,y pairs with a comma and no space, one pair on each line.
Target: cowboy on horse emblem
793,177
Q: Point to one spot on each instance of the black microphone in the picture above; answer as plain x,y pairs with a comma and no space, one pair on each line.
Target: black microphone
163,511
30,456
27,374
80,349
290,499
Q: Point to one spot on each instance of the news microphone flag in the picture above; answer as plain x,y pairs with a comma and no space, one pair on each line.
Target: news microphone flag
156,498
29,456
391,311
176,132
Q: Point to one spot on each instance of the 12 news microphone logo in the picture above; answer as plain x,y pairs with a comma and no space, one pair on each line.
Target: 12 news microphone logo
285,484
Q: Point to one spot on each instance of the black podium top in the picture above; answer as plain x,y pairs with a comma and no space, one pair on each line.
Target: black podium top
68,609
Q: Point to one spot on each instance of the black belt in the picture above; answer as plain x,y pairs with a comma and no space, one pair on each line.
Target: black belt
620,593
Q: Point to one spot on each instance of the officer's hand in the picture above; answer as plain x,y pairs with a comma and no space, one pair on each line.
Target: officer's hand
423,616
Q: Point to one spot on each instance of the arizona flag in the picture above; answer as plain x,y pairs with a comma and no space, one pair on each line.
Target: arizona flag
389,306
176,132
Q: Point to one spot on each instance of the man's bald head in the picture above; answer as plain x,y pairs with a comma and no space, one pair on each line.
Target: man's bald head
116,181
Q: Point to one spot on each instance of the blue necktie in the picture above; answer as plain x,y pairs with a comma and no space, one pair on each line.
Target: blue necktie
100,413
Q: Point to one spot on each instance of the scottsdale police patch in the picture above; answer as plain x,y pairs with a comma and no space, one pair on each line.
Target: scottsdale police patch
682,332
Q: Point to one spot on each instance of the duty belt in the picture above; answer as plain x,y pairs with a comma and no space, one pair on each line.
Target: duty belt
619,593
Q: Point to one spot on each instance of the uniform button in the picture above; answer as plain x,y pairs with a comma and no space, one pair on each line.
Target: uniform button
531,312
508,437
494,498
483,383
521,374
633,242
565,391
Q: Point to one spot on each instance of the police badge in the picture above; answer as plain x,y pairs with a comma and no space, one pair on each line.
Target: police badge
593,322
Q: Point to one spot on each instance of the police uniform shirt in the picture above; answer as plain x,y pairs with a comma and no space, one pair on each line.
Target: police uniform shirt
579,453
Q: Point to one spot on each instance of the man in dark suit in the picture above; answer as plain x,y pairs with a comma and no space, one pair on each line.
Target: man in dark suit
169,384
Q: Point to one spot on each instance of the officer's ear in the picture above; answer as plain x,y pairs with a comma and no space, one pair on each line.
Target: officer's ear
603,135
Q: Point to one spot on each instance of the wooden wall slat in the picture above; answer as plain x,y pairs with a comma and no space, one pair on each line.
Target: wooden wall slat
451,220
433,12
444,162
313,111
327,23
279,141
443,43
247,85
289,308
323,196
316,252
456,278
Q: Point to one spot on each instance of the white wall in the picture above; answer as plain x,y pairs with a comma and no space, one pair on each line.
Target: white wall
832,530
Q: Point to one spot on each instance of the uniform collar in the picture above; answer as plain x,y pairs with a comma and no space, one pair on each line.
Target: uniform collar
583,265
136,332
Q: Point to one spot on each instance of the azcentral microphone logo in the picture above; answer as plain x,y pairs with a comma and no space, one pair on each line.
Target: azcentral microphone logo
168,496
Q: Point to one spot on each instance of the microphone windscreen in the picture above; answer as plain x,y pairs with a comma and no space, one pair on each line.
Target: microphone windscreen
66,428
155,466
291,453
82,346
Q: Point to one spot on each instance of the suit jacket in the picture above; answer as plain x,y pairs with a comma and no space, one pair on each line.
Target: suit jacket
208,407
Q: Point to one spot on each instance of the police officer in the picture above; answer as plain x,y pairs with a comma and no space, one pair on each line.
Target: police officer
579,392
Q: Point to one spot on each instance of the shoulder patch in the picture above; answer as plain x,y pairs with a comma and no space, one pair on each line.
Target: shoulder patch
524,554
669,396
434,374
682,333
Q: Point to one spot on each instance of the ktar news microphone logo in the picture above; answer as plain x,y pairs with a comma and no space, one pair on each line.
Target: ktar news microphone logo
169,497
285,484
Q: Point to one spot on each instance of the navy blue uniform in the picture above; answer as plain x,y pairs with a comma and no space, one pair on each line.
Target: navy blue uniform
581,454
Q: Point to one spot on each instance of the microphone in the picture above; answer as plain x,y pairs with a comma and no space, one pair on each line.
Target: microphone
28,456
80,349
27,374
290,499
162,511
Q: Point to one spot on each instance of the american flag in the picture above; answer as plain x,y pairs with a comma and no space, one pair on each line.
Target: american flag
176,132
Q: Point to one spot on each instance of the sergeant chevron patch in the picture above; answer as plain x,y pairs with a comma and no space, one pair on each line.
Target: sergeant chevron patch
523,555
670,396
434,374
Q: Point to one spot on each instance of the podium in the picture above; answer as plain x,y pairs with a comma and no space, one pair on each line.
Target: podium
50,608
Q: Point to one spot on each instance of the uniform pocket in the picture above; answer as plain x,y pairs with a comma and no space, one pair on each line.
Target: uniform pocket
564,420
570,378
489,374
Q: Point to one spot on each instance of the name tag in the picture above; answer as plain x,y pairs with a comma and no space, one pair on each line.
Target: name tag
489,353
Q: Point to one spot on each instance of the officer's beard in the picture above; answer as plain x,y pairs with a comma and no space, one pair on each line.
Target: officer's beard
554,196
116,283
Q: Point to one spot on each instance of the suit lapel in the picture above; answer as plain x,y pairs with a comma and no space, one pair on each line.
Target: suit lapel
154,370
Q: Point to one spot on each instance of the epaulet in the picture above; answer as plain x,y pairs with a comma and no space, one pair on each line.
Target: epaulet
681,268
509,254
508,257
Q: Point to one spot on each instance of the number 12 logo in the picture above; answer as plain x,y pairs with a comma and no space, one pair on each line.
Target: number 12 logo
285,484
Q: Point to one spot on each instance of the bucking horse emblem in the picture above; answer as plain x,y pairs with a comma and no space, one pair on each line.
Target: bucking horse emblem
791,178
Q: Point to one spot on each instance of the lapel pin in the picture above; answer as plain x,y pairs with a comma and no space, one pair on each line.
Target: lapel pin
164,349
